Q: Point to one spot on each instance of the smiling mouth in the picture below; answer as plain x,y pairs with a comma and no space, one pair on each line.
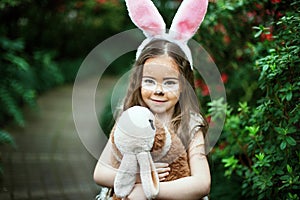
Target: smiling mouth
158,101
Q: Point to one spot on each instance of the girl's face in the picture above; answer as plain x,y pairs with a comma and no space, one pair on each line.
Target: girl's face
160,85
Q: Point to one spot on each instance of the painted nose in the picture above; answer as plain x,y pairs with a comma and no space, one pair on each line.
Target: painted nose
159,89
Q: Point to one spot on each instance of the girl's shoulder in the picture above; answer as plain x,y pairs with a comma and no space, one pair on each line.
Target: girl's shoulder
196,120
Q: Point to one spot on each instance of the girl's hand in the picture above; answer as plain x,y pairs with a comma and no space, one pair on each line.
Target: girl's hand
163,170
137,193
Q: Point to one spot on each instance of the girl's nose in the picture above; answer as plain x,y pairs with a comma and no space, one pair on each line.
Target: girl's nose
159,89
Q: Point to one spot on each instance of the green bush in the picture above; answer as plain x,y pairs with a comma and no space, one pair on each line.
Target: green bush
260,144
15,83
22,78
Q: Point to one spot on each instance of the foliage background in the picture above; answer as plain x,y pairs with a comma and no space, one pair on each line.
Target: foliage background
255,45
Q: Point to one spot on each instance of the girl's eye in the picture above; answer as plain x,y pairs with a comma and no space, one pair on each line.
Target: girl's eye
149,81
170,82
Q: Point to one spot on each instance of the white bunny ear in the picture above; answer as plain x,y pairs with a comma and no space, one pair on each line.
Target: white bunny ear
126,176
146,17
148,174
188,19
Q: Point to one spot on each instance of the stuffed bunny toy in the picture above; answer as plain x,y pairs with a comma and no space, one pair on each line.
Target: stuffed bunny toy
138,139
133,137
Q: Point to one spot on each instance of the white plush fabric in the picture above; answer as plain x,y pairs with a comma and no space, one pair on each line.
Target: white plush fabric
134,136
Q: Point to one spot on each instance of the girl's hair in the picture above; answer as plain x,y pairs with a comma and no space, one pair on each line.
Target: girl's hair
188,101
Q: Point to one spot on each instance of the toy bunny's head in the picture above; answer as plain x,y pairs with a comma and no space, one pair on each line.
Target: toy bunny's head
135,127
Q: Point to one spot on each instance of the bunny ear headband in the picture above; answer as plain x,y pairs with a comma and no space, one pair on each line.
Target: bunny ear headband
186,22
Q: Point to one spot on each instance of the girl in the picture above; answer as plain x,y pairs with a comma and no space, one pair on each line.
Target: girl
162,80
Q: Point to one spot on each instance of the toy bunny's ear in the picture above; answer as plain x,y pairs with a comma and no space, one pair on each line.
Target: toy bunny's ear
149,176
126,176
188,19
146,17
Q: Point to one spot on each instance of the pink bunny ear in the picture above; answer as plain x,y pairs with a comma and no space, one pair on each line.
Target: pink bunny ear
188,19
146,17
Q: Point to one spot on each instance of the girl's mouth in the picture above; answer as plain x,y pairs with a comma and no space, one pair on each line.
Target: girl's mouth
158,101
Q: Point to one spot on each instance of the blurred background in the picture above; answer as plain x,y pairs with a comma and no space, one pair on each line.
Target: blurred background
255,44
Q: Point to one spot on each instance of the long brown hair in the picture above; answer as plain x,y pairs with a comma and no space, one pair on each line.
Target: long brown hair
188,101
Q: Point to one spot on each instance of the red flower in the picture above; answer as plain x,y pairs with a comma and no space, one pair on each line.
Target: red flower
198,83
251,15
270,12
258,6
210,121
226,39
204,90
79,4
279,14
275,1
224,77
222,145
220,28
101,1
202,86
266,36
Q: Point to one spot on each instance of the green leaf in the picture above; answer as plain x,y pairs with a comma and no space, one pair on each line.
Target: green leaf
291,130
283,145
231,161
18,61
8,45
256,27
280,130
252,129
258,33
243,107
291,141
289,96
6,138
289,168
260,156
217,108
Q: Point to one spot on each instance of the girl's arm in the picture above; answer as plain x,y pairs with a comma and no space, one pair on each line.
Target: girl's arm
104,173
195,186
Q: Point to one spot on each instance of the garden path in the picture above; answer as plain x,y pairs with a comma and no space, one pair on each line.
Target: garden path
50,161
